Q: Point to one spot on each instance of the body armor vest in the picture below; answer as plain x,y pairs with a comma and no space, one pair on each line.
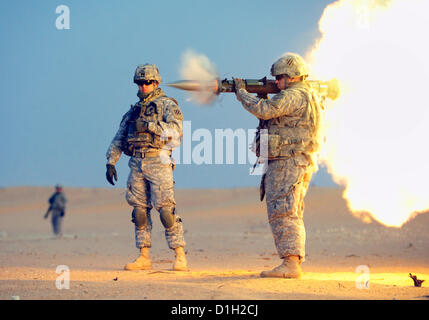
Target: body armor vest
139,138
291,135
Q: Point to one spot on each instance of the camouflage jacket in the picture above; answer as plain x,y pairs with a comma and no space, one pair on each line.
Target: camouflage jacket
57,201
292,118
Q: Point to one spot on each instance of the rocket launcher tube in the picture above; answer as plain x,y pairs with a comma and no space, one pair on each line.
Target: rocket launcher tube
261,87
329,89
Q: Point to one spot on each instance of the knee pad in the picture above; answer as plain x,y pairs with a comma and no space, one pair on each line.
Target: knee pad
167,217
140,216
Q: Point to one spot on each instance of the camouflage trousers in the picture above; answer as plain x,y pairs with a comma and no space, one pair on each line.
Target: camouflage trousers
286,183
150,184
56,220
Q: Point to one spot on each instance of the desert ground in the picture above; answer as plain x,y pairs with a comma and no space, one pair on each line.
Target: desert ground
229,242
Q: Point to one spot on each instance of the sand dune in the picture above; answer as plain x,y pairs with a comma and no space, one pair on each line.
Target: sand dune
229,243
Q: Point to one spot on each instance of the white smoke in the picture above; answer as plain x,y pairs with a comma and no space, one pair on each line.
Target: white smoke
199,68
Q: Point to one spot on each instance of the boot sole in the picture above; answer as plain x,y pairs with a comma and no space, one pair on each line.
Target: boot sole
137,268
285,276
180,269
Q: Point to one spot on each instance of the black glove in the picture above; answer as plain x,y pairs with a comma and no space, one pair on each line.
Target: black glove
239,84
110,173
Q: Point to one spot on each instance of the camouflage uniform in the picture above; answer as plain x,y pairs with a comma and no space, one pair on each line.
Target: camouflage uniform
147,133
57,209
292,120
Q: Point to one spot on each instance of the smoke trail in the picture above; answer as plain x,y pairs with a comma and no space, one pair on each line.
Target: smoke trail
198,67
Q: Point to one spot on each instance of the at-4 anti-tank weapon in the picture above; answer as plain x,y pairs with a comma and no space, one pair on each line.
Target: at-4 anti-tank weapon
263,87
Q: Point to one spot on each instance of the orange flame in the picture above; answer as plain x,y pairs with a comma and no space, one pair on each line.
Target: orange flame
376,132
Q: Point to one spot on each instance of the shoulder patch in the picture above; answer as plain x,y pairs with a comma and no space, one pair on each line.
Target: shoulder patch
175,110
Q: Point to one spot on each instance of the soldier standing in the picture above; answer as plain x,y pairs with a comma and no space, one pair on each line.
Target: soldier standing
148,133
292,120
57,209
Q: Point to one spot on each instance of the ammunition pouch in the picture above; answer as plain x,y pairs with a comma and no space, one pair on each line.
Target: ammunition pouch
290,137
128,149
285,142
274,145
139,125
139,137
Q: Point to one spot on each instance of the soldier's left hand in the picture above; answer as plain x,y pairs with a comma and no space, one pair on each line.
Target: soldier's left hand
111,173
239,84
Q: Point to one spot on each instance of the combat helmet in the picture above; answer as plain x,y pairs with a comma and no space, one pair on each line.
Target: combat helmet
147,72
290,64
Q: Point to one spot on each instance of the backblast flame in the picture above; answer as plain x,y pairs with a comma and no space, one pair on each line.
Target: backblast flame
376,131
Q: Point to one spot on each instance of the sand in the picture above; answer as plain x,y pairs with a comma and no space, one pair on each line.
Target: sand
229,243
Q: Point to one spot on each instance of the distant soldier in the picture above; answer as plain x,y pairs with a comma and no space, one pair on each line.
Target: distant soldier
57,209
292,119
148,133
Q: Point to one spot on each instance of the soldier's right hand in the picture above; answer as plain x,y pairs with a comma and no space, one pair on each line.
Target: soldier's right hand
111,173
238,84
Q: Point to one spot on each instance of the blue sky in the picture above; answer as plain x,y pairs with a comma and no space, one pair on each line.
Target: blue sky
63,92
